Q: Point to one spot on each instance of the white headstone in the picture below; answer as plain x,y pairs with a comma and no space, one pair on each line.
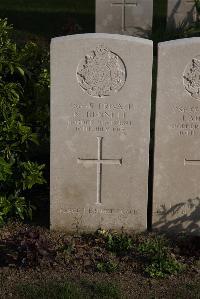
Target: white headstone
100,118
129,17
177,138
181,13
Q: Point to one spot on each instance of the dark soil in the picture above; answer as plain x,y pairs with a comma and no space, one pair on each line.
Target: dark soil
34,254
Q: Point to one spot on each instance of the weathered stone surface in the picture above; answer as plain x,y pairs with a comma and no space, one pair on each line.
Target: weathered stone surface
177,142
100,115
129,17
180,13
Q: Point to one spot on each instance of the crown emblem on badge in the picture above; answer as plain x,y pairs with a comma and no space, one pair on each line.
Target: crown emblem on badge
101,73
191,78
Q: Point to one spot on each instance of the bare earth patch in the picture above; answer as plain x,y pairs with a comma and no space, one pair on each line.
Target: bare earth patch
34,256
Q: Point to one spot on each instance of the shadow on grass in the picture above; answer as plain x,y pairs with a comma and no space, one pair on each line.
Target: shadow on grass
66,289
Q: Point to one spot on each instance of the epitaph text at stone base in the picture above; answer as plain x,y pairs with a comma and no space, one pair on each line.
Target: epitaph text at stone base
100,119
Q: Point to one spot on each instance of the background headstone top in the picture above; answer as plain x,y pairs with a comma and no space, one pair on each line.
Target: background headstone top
181,13
129,17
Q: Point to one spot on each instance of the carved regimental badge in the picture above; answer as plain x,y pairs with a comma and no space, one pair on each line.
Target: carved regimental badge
101,73
191,78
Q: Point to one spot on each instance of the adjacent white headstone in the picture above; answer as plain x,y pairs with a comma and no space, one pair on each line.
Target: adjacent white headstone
181,13
129,17
100,119
177,138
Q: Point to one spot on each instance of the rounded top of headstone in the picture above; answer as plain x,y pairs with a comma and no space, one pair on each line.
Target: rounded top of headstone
119,37
179,42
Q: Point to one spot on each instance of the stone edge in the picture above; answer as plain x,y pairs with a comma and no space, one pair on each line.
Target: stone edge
103,36
177,42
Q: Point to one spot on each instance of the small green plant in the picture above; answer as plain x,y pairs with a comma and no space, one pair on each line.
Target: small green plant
107,266
163,267
154,246
68,248
160,262
119,244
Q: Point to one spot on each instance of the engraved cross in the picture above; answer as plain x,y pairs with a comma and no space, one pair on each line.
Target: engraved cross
191,162
124,4
99,162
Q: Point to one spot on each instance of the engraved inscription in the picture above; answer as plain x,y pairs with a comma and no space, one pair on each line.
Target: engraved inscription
187,121
94,211
101,73
191,78
104,217
99,162
101,117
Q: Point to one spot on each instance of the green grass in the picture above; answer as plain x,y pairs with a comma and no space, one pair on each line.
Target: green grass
189,290
67,290
89,290
49,290
184,291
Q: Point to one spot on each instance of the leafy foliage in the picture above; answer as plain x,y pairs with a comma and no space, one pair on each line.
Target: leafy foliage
160,262
24,113
26,246
117,243
107,266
